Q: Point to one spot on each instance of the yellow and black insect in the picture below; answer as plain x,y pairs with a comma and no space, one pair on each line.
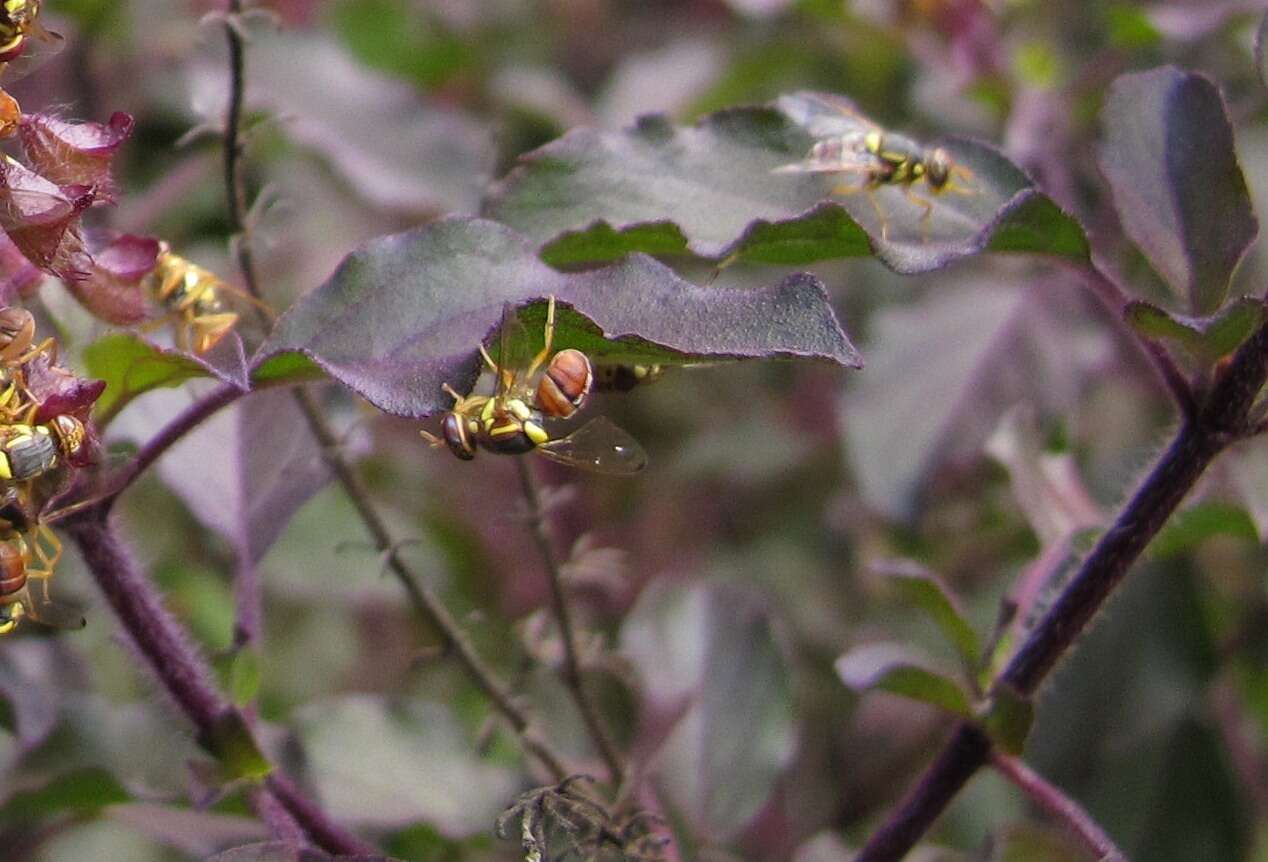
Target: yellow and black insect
853,145
191,295
24,43
21,563
29,451
528,394
18,347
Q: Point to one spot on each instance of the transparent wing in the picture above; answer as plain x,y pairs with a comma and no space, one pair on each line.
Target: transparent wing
825,115
835,156
57,615
38,48
514,352
599,446
39,607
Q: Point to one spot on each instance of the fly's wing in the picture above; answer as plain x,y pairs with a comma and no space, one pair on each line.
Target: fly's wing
54,614
514,353
839,155
38,48
599,446
826,115
58,616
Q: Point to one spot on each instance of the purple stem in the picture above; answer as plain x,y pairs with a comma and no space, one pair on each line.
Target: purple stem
1220,421
163,646
171,434
1057,803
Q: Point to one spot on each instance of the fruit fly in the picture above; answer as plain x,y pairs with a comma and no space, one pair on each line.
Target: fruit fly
849,143
21,563
24,43
530,392
191,296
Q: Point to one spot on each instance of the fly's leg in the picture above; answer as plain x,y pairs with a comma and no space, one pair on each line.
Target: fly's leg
870,189
927,211
548,338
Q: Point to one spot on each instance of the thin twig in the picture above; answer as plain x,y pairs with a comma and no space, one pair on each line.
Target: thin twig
171,434
1221,420
567,632
1058,804
423,602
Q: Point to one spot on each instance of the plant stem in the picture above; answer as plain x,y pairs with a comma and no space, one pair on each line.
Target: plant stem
424,603
1220,421
572,675
422,600
171,434
1057,803
163,646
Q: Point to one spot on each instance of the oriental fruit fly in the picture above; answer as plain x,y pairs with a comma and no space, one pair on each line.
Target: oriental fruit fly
530,393
852,145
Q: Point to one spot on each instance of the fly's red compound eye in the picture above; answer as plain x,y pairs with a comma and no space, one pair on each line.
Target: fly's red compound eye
454,432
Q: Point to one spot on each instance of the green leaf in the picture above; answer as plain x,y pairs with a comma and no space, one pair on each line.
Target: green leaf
1179,191
1007,719
85,791
235,749
710,189
244,676
284,368
132,366
406,313
892,668
919,587
1189,529
1205,338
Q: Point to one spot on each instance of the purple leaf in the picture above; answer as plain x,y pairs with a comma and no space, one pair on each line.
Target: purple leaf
244,472
395,148
113,291
42,220
942,373
406,313
388,764
75,153
195,834
710,189
893,668
1169,158
710,657
279,851
19,278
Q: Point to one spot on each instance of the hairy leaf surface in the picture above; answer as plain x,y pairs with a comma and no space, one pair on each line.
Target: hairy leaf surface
709,189
1179,190
406,313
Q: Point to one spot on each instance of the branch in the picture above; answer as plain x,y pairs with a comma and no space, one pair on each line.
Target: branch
424,603
567,632
171,434
165,649
1220,421
1053,800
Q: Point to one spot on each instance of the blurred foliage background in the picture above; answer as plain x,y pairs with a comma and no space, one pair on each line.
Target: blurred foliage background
722,582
